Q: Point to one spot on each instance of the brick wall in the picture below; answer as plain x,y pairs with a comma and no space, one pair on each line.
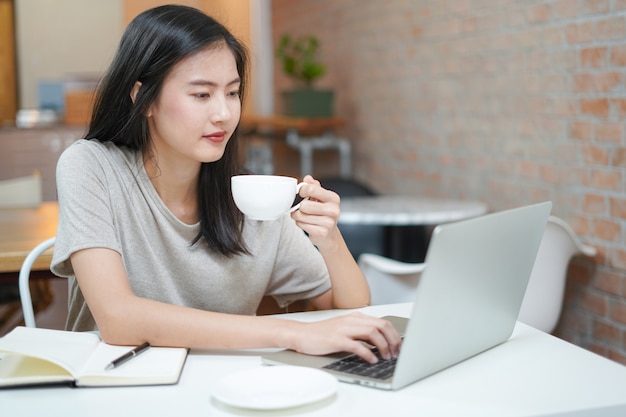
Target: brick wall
509,102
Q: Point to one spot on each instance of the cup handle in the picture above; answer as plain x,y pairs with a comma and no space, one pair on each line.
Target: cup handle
297,206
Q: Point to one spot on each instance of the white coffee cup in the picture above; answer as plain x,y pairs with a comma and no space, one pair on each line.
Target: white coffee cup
265,197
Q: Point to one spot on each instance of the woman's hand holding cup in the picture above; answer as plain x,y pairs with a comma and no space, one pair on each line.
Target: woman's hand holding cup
319,213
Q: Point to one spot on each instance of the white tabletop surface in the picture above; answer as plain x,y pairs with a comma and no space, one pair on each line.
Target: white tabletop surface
406,210
532,374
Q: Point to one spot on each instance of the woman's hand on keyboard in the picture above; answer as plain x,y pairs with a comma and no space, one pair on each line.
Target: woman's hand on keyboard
345,334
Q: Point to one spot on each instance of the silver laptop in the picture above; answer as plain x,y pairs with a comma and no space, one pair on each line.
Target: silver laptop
467,301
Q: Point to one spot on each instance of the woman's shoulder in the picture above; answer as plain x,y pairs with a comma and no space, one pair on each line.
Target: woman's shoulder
93,151
83,148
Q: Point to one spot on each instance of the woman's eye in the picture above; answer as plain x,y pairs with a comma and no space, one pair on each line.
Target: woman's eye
201,95
234,93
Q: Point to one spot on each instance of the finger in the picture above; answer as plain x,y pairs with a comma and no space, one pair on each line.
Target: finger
315,191
377,339
310,180
385,337
364,352
313,209
392,337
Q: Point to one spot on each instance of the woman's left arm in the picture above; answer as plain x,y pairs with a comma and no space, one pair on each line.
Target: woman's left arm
318,216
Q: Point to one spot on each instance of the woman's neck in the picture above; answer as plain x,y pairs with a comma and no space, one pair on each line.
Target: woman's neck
177,185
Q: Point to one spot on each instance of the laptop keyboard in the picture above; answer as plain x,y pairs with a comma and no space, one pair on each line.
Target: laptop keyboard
356,365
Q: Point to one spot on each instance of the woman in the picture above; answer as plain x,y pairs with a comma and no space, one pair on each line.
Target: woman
148,232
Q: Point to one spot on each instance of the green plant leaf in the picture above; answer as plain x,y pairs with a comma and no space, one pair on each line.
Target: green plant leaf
300,58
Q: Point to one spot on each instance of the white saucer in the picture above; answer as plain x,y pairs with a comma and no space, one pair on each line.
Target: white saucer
275,387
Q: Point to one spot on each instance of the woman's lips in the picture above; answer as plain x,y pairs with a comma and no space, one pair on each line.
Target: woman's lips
216,137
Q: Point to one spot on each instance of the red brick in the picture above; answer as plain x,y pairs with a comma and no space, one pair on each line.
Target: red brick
538,13
580,32
607,180
618,157
580,224
607,82
565,8
594,57
459,6
618,311
607,230
612,132
599,349
618,207
566,60
610,282
594,304
583,83
607,332
551,174
618,106
575,321
609,29
596,155
529,169
581,130
598,107
595,6
618,55
565,107
617,356
618,259
594,204
601,257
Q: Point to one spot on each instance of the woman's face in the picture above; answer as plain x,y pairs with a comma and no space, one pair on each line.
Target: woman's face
198,108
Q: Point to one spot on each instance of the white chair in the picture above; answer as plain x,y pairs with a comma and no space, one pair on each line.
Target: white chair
393,281
24,277
390,281
543,301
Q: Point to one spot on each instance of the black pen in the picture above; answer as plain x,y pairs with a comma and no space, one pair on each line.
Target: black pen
128,356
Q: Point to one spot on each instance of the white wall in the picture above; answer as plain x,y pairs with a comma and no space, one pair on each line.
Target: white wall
61,38
262,56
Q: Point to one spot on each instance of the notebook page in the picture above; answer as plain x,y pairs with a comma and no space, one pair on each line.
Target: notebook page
69,350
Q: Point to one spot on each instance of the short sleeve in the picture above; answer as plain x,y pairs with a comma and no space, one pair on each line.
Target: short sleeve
85,219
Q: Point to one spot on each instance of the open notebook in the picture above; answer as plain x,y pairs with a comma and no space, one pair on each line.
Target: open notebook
467,301
35,356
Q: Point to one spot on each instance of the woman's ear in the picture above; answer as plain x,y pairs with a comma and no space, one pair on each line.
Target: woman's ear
135,90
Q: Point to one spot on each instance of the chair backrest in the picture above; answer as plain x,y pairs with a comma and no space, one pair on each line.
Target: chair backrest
543,300
390,281
24,277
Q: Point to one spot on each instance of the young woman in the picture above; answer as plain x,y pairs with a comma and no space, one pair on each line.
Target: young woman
148,232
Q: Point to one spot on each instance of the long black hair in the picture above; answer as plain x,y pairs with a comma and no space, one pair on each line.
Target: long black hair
153,43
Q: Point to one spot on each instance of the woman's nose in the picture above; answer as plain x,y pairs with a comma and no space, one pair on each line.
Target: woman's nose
221,112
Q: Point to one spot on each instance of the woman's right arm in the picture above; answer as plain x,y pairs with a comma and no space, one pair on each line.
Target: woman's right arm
126,319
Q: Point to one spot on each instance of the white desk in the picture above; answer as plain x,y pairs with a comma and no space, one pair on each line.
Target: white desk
408,221
393,210
532,374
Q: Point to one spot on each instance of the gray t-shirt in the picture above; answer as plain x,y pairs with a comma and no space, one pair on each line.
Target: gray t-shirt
106,200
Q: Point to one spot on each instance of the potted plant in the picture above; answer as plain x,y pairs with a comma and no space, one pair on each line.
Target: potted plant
299,59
